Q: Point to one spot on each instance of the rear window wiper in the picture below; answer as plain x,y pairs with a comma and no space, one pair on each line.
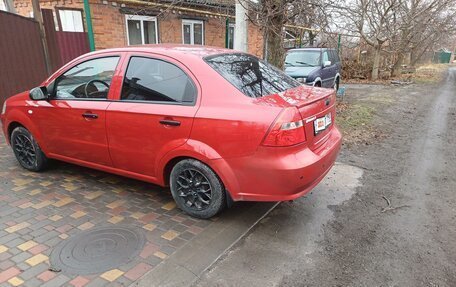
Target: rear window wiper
290,64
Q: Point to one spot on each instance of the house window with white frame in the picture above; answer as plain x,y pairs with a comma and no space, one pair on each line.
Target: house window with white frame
71,20
193,32
141,29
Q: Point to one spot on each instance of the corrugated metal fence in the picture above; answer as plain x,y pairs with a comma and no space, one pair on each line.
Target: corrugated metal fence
72,45
22,63
63,46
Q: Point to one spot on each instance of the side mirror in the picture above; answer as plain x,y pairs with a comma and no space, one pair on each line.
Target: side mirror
327,64
39,94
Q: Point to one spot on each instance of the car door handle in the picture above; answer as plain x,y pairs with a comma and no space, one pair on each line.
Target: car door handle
170,123
90,116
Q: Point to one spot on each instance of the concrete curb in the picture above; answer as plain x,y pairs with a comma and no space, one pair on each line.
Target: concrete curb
187,264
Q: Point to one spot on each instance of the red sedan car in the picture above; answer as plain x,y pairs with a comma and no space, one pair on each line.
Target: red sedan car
215,125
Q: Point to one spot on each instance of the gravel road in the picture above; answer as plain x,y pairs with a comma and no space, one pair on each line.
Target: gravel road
386,215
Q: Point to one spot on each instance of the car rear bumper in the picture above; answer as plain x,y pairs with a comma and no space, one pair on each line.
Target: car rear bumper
281,174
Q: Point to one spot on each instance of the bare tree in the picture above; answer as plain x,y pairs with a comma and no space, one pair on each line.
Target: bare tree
312,14
273,18
272,15
421,25
394,29
371,19
398,28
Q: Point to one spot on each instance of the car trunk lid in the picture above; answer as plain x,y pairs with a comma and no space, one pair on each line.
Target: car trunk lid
316,105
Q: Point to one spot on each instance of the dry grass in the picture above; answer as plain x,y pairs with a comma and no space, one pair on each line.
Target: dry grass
355,122
430,73
425,74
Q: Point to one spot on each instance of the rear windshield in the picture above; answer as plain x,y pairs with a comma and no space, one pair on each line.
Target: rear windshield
251,75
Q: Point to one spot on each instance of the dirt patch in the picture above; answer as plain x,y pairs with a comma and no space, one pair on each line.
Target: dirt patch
369,243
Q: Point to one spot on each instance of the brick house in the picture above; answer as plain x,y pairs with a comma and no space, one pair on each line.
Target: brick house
131,22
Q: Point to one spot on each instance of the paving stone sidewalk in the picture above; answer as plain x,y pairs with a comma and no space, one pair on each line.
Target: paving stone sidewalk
40,210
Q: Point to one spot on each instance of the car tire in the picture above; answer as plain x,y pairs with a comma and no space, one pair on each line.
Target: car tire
27,151
196,189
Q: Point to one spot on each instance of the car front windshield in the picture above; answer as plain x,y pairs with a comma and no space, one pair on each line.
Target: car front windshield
303,58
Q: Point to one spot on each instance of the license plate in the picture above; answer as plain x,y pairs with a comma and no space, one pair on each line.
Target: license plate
322,123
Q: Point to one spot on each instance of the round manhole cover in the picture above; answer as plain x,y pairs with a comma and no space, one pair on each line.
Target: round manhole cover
98,250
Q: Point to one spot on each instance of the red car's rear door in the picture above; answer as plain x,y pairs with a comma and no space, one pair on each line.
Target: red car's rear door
153,114
73,122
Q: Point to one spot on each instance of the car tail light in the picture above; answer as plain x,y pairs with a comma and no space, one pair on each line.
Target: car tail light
287,130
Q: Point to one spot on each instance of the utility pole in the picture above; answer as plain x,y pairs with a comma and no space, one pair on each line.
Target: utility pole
39,18
240,31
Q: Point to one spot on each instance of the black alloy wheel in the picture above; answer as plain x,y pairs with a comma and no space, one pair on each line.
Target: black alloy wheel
27,151
196,188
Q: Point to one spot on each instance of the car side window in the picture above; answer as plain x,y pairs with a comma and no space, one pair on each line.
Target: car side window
154,80
331,56
336,57
87,80
325,56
